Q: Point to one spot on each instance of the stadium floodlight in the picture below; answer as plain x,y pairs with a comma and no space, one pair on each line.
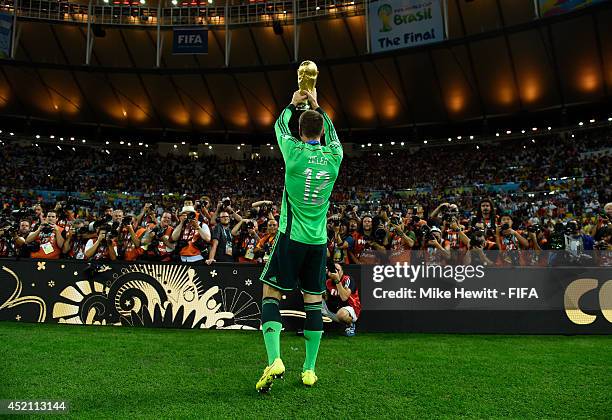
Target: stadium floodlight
142,1
477,147
450,139
369,144
458,137
392,143
581,123
496,134
522,131
146,145
471,137
61,139
533,140
238,147
609,118
549,128
318,8
12,134
84,141
51,137
402,143
210,1
174,2
72,138
379,144
425,141
38,136
508,132
175,146
534,129
362,146
140,143
121,142
59,147
592,120
573,136
129,144
107,142
182,142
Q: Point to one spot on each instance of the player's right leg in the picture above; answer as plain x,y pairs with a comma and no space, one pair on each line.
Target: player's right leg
271,328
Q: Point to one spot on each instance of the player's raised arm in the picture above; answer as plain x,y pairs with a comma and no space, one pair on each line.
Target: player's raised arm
331,136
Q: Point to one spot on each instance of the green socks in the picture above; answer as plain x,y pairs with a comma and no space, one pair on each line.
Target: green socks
271,327
313,330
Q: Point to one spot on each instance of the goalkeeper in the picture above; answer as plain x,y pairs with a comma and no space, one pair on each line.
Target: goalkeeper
298,256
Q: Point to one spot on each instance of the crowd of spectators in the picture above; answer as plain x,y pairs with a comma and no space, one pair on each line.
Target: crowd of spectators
440,201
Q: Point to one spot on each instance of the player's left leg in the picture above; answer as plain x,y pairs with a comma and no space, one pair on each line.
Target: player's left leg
313,331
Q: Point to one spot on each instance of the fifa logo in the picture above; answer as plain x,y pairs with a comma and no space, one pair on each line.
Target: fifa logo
385,13
578,288
190,39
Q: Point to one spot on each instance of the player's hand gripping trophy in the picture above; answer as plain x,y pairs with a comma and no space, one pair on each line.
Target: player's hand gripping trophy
307,79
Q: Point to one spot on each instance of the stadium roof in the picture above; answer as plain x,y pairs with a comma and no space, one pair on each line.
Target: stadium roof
499,60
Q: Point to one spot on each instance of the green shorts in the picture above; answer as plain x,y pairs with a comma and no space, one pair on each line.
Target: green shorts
293,264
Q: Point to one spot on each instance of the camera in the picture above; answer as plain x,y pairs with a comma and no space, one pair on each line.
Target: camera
504,227
191,216
336,221
534,229
477,239
331,266
126,221
46,229
226,202
250,225
572,228
395,220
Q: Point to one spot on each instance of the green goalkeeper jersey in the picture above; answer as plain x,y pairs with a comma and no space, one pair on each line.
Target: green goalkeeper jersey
310,173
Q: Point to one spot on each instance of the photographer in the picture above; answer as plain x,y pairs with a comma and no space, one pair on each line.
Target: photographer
128,239
338,240
102,248
77,237
401,241
49,237
509,242
221,249
476,242
341,299
435,249
246,233
604,248
225,205
366,243
604,220
156,240
190,237
452,232
265,244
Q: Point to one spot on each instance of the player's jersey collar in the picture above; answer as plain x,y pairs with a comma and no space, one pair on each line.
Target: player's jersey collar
313,142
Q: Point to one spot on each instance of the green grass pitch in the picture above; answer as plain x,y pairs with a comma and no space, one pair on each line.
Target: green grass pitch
111,372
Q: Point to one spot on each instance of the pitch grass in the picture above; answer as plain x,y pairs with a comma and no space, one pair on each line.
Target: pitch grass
111,372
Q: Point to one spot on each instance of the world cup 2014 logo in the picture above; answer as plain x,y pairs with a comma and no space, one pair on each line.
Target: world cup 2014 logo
385,13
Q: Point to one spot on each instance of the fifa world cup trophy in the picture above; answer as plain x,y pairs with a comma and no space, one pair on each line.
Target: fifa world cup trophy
307,79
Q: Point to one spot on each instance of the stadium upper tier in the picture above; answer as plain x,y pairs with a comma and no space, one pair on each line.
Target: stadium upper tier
499,59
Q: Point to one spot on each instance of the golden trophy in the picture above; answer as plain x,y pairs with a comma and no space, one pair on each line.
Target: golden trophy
307,79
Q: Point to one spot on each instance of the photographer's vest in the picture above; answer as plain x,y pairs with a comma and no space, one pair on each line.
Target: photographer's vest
48,246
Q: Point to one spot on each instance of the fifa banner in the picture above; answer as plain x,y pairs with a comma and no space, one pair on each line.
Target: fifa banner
6,34
556,7
190,41
415,296
404,23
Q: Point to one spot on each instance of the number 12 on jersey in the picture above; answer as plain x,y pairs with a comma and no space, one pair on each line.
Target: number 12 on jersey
314,198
